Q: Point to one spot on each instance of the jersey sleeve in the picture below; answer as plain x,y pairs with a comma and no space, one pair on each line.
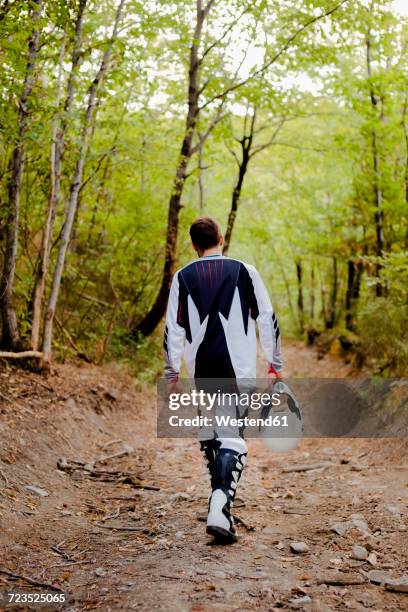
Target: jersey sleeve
267,322
174,333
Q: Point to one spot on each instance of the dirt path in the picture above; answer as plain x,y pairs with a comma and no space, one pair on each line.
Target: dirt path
165,561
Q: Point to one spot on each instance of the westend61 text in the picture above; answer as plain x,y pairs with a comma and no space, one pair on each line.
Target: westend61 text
227,421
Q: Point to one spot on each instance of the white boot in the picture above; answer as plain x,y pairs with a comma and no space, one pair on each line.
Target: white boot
220,523
228,467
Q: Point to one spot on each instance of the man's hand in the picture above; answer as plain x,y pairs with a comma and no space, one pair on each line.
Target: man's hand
174,386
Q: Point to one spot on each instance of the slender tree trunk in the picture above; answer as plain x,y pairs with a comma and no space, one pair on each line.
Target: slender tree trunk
378,217
287,284
87,128
378,196
248,151
200,181
301,312
154,316
312,294
351,272
10,334
354,275
323,297
246,145
52,202
357,282
335,291
59,129
236,195
405,130
332,315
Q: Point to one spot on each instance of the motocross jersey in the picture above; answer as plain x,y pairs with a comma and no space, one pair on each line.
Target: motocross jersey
214,306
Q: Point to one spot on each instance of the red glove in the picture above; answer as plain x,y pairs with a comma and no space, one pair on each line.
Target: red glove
274,372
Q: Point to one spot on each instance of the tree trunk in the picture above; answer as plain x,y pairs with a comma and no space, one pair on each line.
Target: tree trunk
154,316
236,195
332,317
301,313
57,152
246,145
323,297
200,181
248,151
287,284
87,128
405,130
354,275
41,270
10,333
378,215
377,190
312,294
351,272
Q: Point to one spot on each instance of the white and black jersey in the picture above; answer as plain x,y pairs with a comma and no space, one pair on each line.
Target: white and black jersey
213,305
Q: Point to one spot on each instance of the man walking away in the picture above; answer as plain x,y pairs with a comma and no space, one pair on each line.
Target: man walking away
213,305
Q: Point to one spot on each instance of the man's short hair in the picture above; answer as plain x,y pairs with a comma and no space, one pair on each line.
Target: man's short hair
205,233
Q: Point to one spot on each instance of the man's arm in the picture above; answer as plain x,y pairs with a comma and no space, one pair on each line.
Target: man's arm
174,334
269,332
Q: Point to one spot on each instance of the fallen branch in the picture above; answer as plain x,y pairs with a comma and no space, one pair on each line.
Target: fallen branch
342,580
116,441
123,498
119,528
33,581
305,468
112,516
249,577
116,473
126,451
68,465
61,552
178,578
21,355
69,563
172,577
241,521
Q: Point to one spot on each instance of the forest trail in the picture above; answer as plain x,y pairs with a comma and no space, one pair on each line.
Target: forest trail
74,535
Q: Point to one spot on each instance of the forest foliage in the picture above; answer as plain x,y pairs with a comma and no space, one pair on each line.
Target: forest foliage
121,121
